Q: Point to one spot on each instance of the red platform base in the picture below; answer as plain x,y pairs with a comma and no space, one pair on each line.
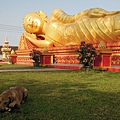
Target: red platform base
114,69
66,66
66,57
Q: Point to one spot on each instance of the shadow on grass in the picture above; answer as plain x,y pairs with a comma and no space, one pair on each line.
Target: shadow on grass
79,102
69,102
66,100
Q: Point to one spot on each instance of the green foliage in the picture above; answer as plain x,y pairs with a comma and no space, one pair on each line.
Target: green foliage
35,55
87,54
74,95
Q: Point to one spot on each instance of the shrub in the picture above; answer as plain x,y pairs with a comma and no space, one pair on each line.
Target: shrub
87,54
35,55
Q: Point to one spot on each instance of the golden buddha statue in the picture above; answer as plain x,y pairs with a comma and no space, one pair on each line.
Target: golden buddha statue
92,26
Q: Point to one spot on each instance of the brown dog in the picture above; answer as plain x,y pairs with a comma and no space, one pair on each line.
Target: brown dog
13,97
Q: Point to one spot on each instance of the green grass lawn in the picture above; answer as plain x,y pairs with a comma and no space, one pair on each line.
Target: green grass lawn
18,66
65,95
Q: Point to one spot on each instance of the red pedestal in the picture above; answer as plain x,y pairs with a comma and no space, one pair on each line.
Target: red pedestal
46,59
13,58
103,60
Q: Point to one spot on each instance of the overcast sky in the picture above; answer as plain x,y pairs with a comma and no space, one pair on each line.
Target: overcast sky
12,13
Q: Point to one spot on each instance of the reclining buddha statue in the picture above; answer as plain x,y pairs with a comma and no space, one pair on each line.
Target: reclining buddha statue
92,26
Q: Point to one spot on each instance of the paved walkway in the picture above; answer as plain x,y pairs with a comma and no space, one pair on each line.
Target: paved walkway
29,70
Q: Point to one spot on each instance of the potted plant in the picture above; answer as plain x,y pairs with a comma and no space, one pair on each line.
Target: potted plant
87,54
35,55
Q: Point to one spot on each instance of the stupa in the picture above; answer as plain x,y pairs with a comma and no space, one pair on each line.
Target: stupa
6,50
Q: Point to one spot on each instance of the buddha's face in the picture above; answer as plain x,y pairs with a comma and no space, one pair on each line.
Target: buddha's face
33,23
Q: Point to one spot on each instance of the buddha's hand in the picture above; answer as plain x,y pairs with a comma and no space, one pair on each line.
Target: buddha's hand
29,35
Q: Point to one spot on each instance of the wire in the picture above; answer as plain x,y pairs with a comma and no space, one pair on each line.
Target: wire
10,25
11,28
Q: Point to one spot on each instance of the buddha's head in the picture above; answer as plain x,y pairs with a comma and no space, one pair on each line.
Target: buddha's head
34,22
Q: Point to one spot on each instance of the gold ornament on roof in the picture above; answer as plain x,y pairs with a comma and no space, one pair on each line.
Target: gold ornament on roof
102,45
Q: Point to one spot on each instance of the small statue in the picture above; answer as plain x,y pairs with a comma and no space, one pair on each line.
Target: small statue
92,26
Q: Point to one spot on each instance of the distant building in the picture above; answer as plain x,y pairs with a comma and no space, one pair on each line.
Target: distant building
6,49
